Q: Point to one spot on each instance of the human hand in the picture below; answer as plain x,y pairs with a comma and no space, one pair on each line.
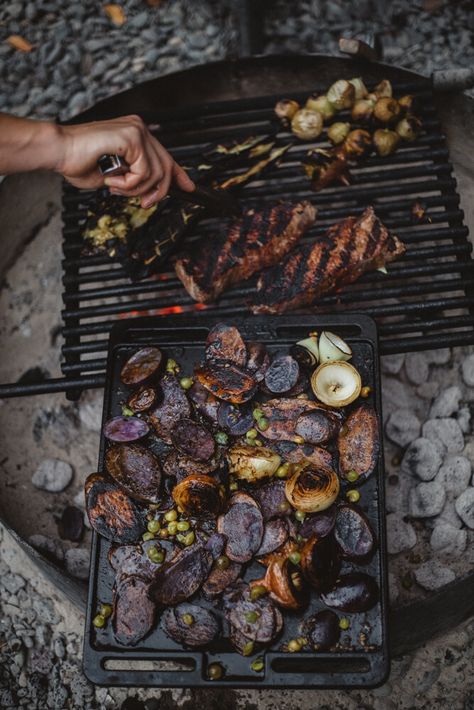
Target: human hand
151,167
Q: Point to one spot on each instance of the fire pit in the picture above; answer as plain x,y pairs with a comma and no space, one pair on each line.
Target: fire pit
425,302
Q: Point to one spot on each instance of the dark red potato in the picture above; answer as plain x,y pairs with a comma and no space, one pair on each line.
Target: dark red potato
227,381
323,630
204,402
224,342
190,625
112,513
136,469
317,427
173,406
296,453
258,360
282,414
272,500
141,366
354,592
243,526
354,534
125,429
282,375
220,579
134,613
320,562
142,399
275,534
233,419
358,443
193,440
319,524
179,579
180,466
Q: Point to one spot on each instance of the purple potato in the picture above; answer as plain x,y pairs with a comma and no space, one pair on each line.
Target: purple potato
323,630
203,629
243,526
141,366
319,524
180,466
193,440
317,427
220,579
264,628
354,534
272,500
172,407
275,534
224,342
234,420
134,613
179,579
142,399
258,360
125,429
353,592
112,513
136,469
205,402
282,375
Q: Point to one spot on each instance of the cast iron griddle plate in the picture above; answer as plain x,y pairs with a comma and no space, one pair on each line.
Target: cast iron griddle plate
157,660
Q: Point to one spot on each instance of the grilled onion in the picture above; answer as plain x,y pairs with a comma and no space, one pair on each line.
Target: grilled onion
359,87
386,110
385,141
406,102
341,94
285,584
322,105
311,489
286,109
357,144
362,110
338,132
199,495
336,384
307,124
384,89
332,347
306,351
408,128
252,463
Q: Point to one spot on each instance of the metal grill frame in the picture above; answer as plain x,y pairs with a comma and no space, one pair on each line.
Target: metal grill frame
429,294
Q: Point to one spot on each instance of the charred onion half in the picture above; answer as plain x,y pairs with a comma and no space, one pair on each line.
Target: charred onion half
285,584
312,490
199,495
251,463
336,384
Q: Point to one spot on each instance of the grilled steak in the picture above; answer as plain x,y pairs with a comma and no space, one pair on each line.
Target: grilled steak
346,251
254,242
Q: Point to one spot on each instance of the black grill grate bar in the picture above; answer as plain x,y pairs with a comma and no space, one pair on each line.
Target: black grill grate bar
388,329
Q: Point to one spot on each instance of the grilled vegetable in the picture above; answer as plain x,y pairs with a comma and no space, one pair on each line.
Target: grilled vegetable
111,512
125,429
337,384
341,94
237,421
301,453
275,534
228,382
358,443
286,109
357,144
136,469
134,612
204,402
306,352
193,439
173,406
359,88
406,103
386,110
179,579
281,414
252,464
190,625
243,526
285,584
272,500
311,490
221,578
354,592
332,347
408,128
317,427
322,105
320,562
322,630
324,167
307,125
141,366
224,342
319,524
258,360
385,141
353,534
362,111
258,620
282,375
384,89
338,132
199,496
180,466
142,399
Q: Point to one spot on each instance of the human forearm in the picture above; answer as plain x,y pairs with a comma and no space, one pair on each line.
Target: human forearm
28,145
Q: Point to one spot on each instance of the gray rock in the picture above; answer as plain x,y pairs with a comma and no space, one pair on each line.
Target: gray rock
417,367
423,459
12,582
464,419
59,649
396,500
448,540
465,507
449,515
52,475
140,20
426,500
77,562
90,410
441,356
41,661
15,10
48,545
401,536
45,610
402,427
446,431
467,369
446,403
392,364
428,390
454,474
79,499
433,575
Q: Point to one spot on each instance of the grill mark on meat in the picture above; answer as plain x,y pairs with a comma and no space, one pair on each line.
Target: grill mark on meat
348,250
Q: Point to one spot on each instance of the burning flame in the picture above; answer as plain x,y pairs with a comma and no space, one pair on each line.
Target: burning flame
165,311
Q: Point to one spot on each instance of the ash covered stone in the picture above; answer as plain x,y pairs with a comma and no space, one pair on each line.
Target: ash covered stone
454,474
77,562
90,410
433,575
441,356
49,546
446,403
401,535
465,507
428,390
426,500
448,540
447,431
464,419
417,367
449,515
52,475
402,427
423,459
467,369
392,364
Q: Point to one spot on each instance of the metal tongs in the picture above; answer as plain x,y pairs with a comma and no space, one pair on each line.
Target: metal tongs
219,202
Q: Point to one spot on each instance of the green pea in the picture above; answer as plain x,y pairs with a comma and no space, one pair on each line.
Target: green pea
258,442
353,496
148,536
294,646
156,555
171,515
234,486
183,525
221,438
173,527
282,471
186,383
263,424
172,366
105,610
222,562
251,616
258,591
127,412
248,648
257,665
344,623
257,414
298,439
300,515
189,538
153,526
163,533
284,506
187,619
295,557
252,434
215,671
352,476
99,621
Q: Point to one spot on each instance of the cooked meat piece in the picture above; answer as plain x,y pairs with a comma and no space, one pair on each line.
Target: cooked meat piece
348,250
112,513
243,526
227,381
282,415
136,469
224,342
220,579
275,534
197,631
358,443
134,613
254,242
177,580
173,406
181,466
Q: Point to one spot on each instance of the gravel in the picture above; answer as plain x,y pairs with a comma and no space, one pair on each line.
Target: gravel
432,575
423,458
52,475
446,431
402,427
426,500
465,507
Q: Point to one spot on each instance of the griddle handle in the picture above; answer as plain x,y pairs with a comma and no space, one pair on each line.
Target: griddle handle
453,79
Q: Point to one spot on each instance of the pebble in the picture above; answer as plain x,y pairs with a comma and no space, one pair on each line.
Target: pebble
433,575
428,390
417,367
447,431
45,611
12,582
448,540
464,419
392,364
90,410
426,500
77,562
401,535
467,369
441,356
50,546
402,427
454,474
52,475
423,458
465,507
446,403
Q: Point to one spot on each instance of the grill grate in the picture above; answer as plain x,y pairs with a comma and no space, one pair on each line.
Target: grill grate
426,300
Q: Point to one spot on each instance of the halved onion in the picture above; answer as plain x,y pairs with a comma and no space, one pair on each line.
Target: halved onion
306,351
336,384
332,347
252,463
312,489
359,87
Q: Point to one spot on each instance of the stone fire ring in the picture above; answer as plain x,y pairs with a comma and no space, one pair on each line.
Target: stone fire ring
412,623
